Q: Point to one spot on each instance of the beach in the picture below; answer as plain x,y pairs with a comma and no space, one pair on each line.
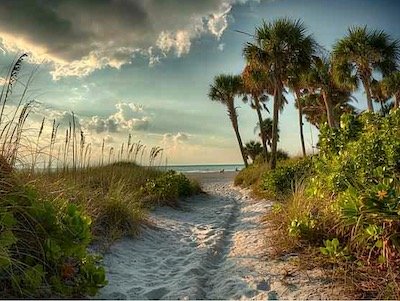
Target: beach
212,247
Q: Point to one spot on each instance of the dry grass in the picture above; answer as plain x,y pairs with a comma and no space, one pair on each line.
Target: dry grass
106,182
251,177
110,195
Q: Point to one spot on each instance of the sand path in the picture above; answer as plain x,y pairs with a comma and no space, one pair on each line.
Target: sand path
211,248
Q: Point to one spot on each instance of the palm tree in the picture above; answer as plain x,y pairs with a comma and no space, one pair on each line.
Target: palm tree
266,129
255,84
360,53
296,83
281,49
314,106
378,94
253,149
224,89
391,87
320,80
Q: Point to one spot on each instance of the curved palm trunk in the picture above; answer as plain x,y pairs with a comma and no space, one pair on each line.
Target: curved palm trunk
329,110
300,109
277,102
262,131
367,88
233,118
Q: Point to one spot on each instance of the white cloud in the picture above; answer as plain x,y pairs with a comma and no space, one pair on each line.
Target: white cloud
78,37
2,80
179,41
217,22
128,116
170,140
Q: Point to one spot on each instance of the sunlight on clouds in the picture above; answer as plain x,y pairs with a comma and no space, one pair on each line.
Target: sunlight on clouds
129,116
217,22
79,37
180,42
2,81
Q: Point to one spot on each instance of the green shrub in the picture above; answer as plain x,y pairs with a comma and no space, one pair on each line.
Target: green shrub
358,172
250,175
351,196
169,187
334,250
43,249
281,181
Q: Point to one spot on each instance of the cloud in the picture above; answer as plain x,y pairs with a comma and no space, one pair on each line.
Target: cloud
179,42
78,37
100,125
2,80
128,116
170,140
217,22
181,137
62,117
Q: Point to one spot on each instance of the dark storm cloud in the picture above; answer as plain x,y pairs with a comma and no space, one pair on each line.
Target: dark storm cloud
69,29
81,36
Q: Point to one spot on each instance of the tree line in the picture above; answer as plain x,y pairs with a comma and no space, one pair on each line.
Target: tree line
283,58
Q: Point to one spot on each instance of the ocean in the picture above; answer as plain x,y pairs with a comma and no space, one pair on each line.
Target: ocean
206,168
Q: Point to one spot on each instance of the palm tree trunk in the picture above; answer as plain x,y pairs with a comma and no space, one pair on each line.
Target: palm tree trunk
233,118
262,132
367,88
329,110
396,100
300,109
277,104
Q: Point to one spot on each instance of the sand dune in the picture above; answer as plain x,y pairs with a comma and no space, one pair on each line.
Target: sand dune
213,247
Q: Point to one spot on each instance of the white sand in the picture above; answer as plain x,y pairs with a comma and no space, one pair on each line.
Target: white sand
211,248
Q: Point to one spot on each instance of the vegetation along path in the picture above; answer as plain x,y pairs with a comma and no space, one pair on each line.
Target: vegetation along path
211,248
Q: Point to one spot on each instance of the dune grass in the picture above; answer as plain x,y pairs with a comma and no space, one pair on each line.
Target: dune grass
116,197
59,194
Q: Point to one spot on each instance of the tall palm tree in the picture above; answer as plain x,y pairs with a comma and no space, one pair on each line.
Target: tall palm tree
296,84
361,52
224,89
255,84
391,87
314,105
281,48
320,80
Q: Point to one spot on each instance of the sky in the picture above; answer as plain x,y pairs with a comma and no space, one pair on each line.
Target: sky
144,67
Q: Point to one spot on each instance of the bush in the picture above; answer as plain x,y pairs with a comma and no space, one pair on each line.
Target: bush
281,181
351,197
169,187
250,175
43,249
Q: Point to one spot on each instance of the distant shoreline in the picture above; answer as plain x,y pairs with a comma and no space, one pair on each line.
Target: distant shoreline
212,177
206,168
